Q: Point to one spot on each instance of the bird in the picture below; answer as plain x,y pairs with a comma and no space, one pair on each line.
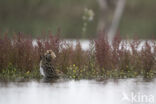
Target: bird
46,67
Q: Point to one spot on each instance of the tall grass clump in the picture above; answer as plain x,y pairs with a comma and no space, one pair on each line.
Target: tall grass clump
70,55
103,52
125,58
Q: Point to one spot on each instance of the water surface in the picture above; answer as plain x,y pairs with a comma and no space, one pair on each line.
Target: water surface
79,92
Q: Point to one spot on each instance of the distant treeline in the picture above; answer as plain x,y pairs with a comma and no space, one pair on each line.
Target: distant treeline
37,16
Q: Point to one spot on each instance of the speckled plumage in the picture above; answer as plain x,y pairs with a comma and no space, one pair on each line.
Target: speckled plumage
46,67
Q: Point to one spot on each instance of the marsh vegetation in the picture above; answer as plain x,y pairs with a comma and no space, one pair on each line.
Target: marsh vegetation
19,58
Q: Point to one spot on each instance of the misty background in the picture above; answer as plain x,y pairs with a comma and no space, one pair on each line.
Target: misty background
35,17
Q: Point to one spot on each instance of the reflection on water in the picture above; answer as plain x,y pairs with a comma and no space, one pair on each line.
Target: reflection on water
125,91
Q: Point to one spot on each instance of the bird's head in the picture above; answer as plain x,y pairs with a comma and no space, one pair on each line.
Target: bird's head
51,53
48,55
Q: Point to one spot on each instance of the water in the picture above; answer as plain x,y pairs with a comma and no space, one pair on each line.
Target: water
124,91
85,44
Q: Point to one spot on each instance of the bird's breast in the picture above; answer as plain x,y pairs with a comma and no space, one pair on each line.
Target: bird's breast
41,69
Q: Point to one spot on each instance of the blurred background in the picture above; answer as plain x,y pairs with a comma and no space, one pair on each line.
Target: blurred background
35,17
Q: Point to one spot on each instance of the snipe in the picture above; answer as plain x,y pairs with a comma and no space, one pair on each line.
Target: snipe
46,67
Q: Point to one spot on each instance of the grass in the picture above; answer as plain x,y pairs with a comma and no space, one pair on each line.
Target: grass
19,59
